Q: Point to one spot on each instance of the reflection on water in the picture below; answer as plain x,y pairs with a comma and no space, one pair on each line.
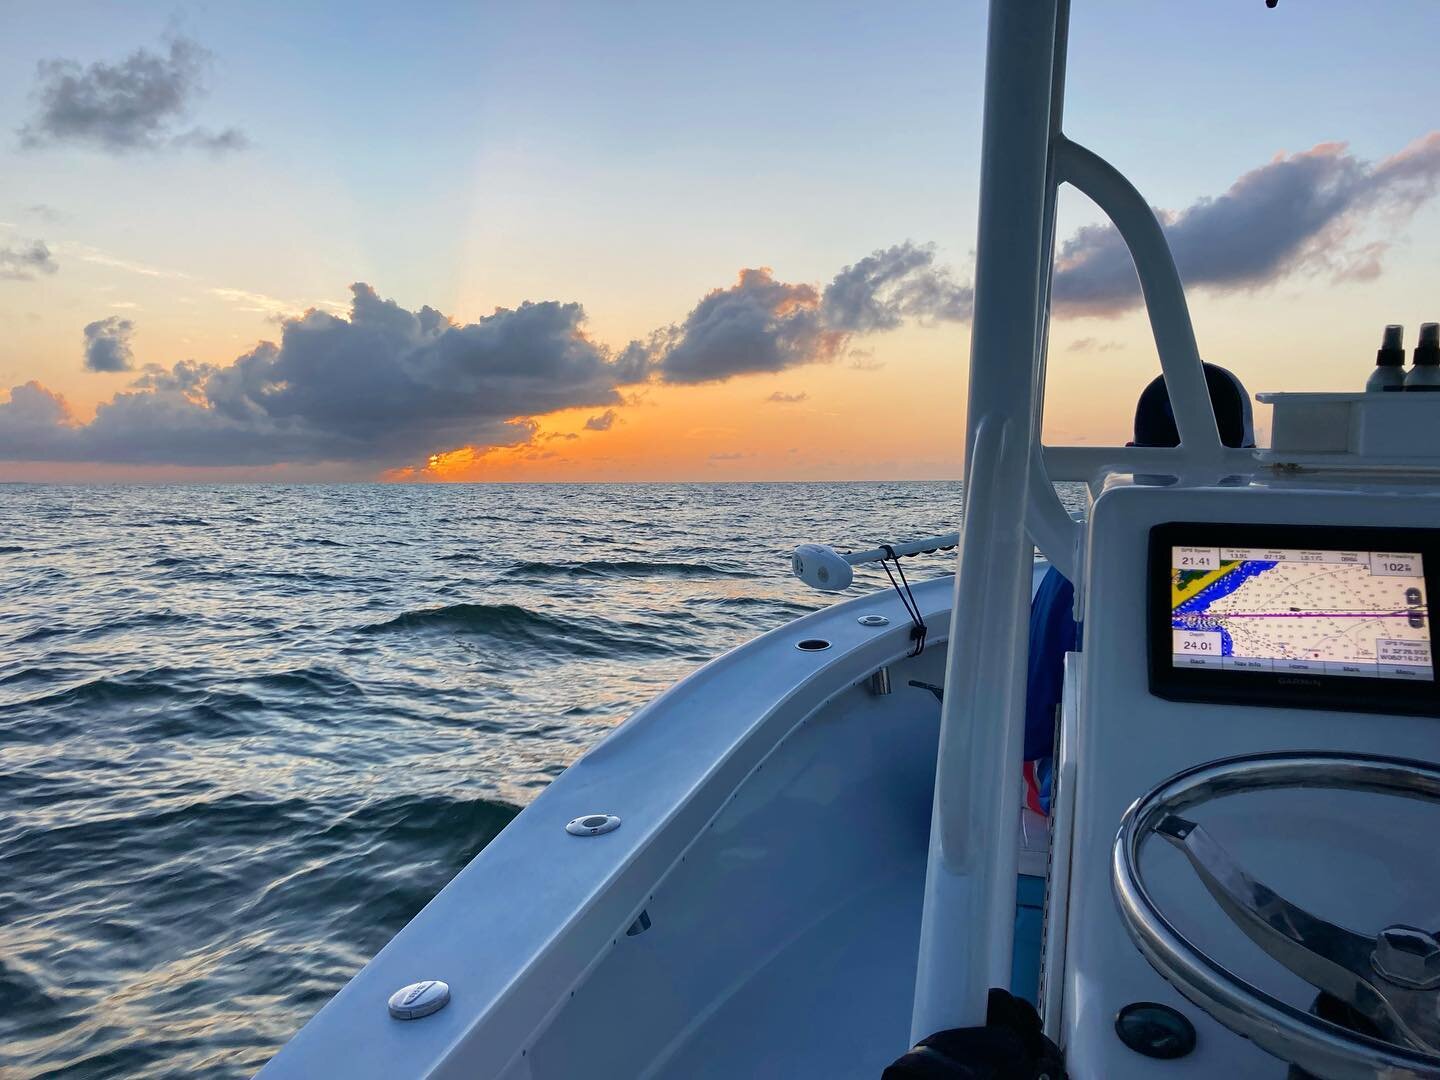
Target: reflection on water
249,731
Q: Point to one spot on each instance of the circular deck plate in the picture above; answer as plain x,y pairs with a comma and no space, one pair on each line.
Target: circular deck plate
419,999
592,824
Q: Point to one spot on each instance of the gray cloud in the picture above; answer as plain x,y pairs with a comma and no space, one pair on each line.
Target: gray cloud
383,386
757,324
107,345
1295,213
886,287
138,103
761,324
186,378
781,398
22,262
604,422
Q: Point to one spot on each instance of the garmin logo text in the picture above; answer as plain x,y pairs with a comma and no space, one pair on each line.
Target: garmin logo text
1291,680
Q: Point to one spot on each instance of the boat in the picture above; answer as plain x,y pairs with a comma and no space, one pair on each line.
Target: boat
811,854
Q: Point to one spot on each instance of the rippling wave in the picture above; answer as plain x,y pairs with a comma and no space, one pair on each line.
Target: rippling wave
614,568
249,731
531,631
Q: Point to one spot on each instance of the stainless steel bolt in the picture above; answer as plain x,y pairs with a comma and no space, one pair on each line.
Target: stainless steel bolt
1407,957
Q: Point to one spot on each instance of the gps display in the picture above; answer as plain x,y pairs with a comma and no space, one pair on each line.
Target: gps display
1303,615
1321,612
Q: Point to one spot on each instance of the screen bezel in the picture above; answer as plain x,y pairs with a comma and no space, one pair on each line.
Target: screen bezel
1345,693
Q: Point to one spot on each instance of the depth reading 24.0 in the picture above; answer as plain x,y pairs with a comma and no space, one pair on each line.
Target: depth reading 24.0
1318,612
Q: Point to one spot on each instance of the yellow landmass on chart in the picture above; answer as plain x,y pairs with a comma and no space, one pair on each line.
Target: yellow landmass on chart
1180,593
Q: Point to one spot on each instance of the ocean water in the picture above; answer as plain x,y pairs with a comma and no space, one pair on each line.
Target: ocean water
247,732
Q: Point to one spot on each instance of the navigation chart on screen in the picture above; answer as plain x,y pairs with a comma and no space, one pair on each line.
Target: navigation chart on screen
1348,613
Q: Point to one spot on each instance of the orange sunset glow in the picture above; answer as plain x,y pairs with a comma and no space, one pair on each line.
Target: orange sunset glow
776,299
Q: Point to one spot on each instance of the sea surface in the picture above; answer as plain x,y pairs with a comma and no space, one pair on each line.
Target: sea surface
247,732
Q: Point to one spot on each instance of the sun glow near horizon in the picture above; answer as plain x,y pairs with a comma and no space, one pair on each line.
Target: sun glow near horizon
693,285
795,425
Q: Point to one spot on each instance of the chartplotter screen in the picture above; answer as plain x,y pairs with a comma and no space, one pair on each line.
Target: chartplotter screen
1320,611
1293,612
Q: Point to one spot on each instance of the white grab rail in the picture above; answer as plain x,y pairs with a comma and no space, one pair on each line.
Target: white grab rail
1160,285
1200,449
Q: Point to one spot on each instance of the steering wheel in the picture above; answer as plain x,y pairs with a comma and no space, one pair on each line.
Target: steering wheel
1392,978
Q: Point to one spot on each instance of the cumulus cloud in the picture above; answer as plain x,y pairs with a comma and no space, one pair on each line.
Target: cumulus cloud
139,103
23,262
384,384
782,398
186,378
887,287
33,413
604,422
1295,213
757,324
762,324
107,345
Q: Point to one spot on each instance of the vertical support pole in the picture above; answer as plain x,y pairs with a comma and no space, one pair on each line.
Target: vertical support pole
967,929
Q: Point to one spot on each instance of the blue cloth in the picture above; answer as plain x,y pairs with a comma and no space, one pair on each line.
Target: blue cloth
1053,633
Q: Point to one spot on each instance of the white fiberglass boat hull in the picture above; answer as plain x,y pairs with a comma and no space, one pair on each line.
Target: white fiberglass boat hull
775,819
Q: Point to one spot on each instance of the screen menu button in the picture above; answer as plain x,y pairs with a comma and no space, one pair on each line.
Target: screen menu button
1353,668
1307,667
1406,671
1248,663
1199,660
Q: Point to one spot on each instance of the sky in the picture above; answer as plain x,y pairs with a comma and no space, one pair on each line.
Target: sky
650,241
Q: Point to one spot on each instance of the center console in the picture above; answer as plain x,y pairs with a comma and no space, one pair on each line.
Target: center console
1241,620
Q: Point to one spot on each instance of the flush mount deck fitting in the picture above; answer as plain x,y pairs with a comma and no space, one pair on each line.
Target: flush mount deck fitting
419,999
592,824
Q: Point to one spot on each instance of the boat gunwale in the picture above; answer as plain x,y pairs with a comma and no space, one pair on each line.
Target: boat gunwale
530,958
